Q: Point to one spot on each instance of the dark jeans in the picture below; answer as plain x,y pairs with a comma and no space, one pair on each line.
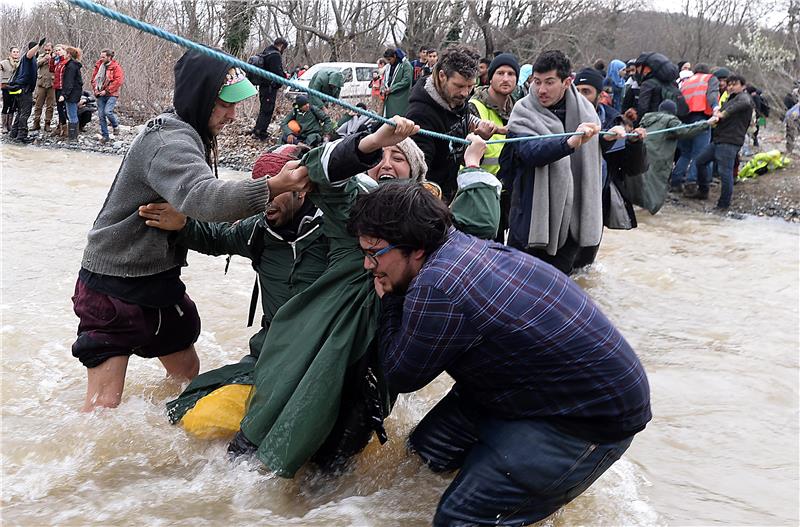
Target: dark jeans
61,107
724,156
19,128
9,102
266,96
513,472
685,170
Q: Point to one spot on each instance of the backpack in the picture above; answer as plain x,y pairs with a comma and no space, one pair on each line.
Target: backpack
672,93
260,61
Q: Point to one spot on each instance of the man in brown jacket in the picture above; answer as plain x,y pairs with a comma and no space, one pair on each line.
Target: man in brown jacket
45,93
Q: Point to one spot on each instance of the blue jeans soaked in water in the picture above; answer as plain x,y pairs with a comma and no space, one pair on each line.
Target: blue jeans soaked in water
512,472
685,170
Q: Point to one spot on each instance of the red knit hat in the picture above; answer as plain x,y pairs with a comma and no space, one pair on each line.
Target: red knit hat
270,163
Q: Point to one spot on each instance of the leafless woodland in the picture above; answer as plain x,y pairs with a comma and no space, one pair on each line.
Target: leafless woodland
758,37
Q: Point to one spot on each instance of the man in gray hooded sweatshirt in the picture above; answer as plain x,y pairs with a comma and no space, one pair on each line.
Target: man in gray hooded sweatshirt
129,295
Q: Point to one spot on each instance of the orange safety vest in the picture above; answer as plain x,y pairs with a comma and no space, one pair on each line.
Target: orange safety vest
694,91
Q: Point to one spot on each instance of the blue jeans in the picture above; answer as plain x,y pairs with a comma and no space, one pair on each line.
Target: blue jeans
105,109
689,148
513,472
72,112
724,155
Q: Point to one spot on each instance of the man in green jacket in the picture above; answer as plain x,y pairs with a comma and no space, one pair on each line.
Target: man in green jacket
398,86
305,124
328,82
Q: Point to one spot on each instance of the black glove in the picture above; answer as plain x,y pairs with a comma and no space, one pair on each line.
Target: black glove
41,42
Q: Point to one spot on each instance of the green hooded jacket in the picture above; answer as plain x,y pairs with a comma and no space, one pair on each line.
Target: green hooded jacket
286,265
649,190
328,82
298,382
396,102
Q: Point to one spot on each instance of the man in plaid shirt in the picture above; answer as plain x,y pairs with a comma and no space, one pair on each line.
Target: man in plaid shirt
547,395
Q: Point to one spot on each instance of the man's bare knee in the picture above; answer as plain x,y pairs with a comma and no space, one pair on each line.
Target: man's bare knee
183,364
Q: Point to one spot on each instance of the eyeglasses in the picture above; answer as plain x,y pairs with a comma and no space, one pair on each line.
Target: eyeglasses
373,256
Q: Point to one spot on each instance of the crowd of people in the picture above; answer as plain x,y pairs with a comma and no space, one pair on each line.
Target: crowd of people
385,256
48,76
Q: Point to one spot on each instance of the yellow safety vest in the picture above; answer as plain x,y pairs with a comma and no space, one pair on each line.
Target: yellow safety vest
491,159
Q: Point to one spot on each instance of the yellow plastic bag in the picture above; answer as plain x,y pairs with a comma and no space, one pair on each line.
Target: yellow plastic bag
218,414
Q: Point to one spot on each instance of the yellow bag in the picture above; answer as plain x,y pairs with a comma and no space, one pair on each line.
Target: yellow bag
218,414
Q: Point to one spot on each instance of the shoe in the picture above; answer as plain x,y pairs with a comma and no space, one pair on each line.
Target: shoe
115,130
676,189
24,140
240,446
47,128
689,189
720,209
72,132
699,194
103,140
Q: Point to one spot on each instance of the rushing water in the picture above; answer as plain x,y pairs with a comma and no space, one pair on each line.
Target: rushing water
709,303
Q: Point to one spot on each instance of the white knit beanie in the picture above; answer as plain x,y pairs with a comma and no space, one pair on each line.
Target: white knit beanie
415,158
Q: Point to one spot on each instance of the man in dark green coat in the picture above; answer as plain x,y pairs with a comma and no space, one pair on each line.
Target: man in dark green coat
328,82
305,124
398,86
286,246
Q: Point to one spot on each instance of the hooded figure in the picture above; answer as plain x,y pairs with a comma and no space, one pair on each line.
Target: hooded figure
170,161
328,82
657,74
617,83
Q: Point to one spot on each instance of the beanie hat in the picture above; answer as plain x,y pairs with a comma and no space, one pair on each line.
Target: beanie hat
270,163
668,106
300,101
722,73
590,76
415,158
504,59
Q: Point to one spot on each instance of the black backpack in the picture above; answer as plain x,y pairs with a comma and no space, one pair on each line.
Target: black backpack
260,61
672,93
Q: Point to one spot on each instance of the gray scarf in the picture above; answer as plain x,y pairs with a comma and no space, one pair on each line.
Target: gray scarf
567,194
100,78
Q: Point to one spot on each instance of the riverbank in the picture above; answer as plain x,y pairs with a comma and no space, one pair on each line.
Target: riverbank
775,194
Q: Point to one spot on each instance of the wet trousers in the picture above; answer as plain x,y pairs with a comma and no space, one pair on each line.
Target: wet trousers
512,472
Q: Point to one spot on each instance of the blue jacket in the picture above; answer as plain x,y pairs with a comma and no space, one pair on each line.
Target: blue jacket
27,73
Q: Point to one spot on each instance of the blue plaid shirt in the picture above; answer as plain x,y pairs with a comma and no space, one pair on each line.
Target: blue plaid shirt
520,339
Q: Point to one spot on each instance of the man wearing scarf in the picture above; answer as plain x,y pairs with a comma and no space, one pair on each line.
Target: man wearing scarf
556,184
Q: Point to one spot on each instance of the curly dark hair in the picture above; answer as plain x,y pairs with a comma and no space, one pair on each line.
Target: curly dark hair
458,59
553,60
402,213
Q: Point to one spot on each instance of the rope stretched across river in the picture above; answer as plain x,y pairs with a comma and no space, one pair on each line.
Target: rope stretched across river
189,44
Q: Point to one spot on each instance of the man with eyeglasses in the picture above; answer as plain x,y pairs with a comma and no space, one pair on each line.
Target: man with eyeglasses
547,395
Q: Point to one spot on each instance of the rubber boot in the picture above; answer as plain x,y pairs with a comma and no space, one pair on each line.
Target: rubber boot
73,132
7,118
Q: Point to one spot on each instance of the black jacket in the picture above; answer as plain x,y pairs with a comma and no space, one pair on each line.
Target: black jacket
663,72
429,114
732,128
72,82
273,62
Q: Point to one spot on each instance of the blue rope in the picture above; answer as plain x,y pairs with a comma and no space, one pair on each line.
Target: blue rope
224,57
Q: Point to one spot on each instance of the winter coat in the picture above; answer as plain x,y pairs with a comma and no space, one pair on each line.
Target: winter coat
737,116
649,190
314,121
327,82
58,64
7,69
72,81
427,109
299,381
286,265
44,78
115,76
663,73
396,102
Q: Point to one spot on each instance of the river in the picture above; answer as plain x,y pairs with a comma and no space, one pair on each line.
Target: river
710,304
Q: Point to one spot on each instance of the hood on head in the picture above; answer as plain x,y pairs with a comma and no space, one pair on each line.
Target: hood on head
613,73
198,79
335,78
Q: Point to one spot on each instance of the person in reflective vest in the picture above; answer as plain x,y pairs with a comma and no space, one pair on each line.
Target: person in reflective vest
701,92
494,103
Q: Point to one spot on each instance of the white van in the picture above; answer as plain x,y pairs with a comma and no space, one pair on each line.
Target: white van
357,77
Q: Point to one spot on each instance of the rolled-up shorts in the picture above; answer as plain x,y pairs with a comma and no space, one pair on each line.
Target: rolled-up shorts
110,327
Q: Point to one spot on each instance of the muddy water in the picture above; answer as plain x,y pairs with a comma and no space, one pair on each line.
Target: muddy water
710,304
